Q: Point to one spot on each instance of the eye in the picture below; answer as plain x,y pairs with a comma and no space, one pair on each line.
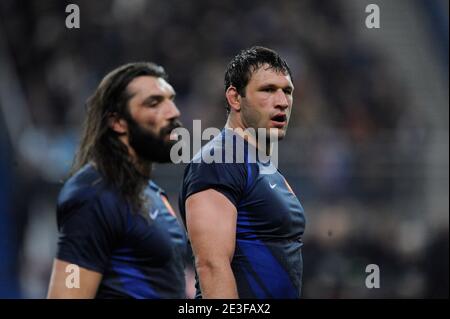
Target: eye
268,90
288,91
152,102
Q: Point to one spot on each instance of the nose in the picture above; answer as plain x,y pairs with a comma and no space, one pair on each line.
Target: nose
281,100
172,111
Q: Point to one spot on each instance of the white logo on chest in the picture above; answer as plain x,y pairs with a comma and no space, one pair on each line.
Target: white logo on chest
272,186
154,214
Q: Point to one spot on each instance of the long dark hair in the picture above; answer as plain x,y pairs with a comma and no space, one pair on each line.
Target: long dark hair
101,146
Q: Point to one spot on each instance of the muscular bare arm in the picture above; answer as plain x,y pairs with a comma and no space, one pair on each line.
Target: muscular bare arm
211,224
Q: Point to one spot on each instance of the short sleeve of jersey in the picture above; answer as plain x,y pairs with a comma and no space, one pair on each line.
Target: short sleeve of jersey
229,179
88,230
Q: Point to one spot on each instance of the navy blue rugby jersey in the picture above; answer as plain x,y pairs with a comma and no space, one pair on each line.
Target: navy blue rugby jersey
138,258
267,261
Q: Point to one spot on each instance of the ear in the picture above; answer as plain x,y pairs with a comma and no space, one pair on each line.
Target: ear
117,123
233,98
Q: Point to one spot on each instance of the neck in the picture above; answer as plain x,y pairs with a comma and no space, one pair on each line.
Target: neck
235,123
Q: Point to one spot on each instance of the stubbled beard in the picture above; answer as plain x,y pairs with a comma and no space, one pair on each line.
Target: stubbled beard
252,119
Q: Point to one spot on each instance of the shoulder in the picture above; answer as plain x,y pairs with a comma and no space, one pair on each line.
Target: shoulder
87,191
84,186
210,149
80,186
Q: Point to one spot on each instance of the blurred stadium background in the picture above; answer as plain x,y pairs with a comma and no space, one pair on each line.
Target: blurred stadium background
366,152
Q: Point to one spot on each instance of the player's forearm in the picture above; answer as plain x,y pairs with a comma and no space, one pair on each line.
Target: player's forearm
217,280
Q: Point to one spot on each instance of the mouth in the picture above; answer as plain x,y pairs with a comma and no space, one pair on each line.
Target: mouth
279,120
170,136
173,136
168,133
